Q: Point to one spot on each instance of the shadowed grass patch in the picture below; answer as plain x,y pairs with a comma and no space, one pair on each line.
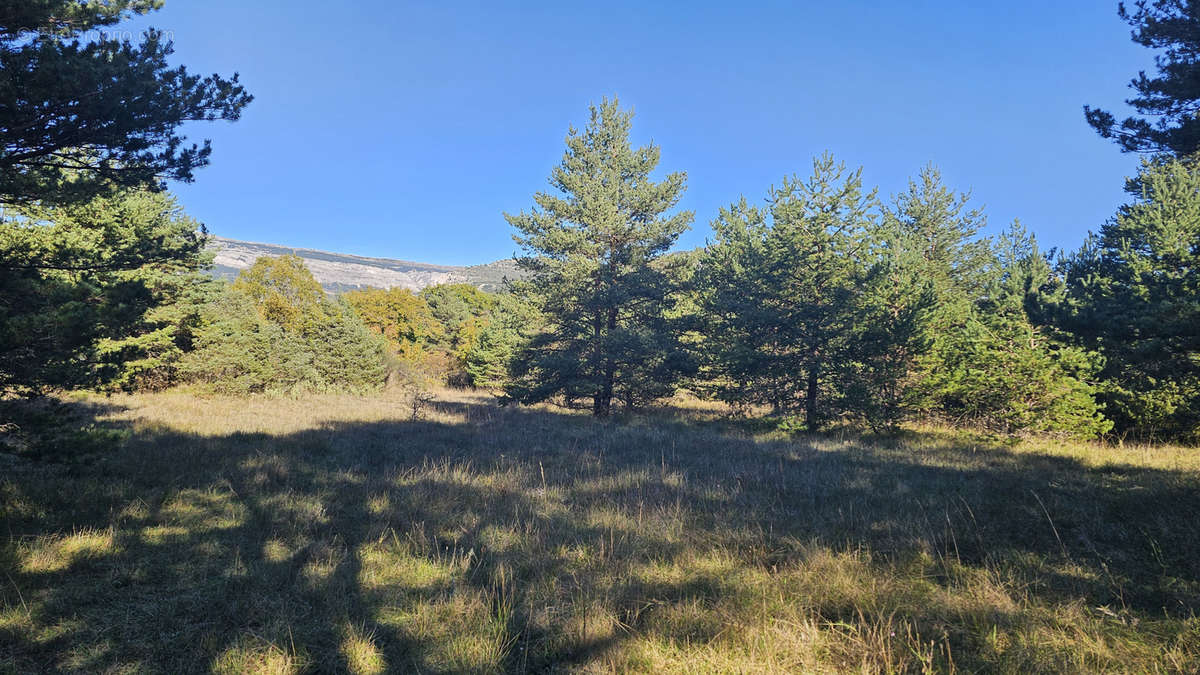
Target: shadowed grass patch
332,533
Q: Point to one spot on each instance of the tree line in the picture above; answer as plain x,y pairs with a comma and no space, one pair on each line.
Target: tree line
825,302
818,302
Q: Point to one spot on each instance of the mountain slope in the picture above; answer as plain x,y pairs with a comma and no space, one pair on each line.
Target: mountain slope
338,272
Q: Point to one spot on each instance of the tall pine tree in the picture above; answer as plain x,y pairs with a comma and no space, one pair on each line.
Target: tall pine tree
84,112
593,253
1135,297
1167,101
782,287
937,230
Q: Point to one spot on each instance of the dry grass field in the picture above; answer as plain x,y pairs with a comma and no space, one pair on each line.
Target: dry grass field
334,534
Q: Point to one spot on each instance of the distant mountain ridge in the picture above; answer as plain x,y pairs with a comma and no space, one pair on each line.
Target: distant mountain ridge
340,272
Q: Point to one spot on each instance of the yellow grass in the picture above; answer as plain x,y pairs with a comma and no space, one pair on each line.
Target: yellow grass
332,533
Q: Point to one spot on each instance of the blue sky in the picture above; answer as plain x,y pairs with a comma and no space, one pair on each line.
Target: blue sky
402,129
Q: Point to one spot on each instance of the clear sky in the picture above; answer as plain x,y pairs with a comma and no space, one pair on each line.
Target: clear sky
404,129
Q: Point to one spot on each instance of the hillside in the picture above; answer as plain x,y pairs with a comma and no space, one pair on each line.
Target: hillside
339,272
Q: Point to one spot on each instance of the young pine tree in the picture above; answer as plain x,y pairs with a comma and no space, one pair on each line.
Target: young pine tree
893,321
588,252
936,233
1134,295
1008,373
782,287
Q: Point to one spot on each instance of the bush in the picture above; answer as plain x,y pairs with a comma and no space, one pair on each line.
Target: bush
250,342
1012,377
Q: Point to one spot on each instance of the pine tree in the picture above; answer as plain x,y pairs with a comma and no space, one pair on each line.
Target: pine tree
936,233
83,114
487,360
589,253
79,286
347,354
1009,374
892,332
782,289
1134,295
1168,102
88,124
147,359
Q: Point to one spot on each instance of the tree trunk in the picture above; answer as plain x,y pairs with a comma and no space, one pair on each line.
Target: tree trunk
602,401
810,401
600,405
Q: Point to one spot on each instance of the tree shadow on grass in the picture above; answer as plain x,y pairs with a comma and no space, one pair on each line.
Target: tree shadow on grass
519,540
51,429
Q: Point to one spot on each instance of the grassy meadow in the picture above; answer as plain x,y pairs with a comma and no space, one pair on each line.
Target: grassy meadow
335,534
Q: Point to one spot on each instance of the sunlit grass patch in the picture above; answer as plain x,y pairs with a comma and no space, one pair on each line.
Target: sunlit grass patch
362,656
389,565
324,559
164,534
276,551
328,534
202,510
460,631
16,620
253,654
58,553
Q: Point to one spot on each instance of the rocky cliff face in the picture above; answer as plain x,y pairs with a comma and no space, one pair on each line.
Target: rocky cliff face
339,272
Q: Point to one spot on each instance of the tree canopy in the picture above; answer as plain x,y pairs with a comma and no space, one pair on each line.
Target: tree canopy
1134,295
590,252
83,113
76,276
1168,101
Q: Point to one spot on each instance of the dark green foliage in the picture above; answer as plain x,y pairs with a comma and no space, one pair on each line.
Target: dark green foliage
346,354
781,290
488,359
1003,371
236,350
935,234
267,334
590,256
487,362
1168,101
892,332
817,302
82,287
98,276
148,359
82,115
989,362
1134,295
